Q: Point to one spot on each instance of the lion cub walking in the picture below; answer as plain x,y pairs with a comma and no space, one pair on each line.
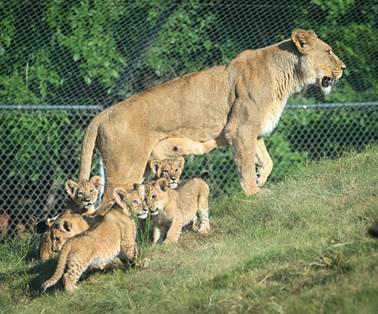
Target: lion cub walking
113,237
171,210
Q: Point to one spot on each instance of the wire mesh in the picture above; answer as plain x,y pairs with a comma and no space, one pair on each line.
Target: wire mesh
61,62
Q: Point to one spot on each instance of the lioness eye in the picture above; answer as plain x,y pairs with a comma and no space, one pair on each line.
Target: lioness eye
135,202
153,196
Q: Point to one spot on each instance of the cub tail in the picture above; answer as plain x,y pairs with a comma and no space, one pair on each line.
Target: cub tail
59,268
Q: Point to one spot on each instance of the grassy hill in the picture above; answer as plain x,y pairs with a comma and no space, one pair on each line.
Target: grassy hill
298,247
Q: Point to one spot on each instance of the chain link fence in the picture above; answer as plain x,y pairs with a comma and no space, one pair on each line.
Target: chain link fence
61,62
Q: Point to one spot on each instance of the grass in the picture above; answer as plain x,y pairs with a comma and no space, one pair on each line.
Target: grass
298,247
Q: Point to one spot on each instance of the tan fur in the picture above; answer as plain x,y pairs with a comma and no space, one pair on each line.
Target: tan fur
174,147
171,210
62,228
114,236
236,104
84,193
4,224
169,169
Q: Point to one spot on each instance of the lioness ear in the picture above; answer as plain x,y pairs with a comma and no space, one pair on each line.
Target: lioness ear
180,162
303,40
71,185
67,226
119,195
95,181
163,184
155,166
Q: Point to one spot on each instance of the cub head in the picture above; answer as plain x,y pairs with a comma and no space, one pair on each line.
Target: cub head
157,195
131,201
318,64
84,193
169,169
63,229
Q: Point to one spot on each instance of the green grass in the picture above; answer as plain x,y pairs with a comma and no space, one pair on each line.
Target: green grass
298,247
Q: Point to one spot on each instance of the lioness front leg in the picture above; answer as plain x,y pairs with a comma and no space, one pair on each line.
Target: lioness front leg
264,162
174,231
244,145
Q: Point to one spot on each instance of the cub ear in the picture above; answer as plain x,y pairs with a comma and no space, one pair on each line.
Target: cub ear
155,166
180,162
95,181
71,186
141,190
67,226
163,184
303,40
119,195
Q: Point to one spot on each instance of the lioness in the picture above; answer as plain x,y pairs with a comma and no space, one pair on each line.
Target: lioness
171,210
114,236
234,104
169,169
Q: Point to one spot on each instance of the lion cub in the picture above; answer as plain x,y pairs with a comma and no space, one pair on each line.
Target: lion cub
83,194
169,169
114,236
173,209
62,228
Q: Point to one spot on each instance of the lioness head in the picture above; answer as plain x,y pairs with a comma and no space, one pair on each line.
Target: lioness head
169,169
84,193
157,195
318,63
132,201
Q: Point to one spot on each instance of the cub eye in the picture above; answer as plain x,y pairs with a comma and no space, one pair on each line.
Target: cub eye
135,202
153,196
80,194
91,191
329,51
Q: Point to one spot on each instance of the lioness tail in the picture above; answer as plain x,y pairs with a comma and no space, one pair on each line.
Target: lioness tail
87,148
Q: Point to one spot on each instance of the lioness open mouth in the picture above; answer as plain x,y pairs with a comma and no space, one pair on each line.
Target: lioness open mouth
327,81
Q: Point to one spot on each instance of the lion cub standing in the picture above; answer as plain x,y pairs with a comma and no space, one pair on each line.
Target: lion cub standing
173,209
113,236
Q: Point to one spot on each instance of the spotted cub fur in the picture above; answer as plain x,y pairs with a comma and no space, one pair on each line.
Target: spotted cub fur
171,209
114,236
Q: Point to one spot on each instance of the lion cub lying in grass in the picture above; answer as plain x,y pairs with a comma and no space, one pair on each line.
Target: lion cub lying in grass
171,210
114,236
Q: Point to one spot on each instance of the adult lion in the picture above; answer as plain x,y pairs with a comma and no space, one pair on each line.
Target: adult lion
235,104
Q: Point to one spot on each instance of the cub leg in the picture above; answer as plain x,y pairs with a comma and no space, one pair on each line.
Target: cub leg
156,234
75,269
203,208
174,231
